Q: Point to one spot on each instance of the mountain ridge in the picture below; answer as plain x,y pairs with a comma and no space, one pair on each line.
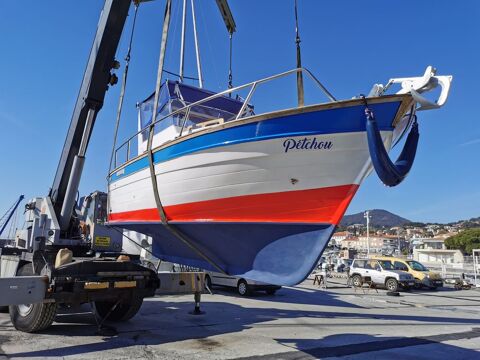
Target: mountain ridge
378,218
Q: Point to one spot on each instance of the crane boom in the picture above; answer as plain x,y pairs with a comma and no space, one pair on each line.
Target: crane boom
90,99
9,214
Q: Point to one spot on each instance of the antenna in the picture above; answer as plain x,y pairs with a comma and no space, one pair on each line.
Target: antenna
300,92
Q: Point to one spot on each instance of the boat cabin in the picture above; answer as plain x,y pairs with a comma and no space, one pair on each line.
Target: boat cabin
175,98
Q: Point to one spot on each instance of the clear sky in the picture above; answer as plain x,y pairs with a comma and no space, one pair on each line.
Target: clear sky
348,45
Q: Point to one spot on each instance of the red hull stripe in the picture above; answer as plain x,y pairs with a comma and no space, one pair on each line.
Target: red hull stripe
325,205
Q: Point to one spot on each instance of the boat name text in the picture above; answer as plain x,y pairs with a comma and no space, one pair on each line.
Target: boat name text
306,144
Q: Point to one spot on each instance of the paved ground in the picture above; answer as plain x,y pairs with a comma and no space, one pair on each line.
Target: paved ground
298,323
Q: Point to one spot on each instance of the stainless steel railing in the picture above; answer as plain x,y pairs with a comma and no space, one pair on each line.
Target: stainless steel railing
186,109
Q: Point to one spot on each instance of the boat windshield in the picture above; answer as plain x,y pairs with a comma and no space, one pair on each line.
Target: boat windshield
415,265
175,96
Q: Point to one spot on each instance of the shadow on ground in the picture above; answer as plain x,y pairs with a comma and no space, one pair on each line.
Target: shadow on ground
296,295
161,322
361,344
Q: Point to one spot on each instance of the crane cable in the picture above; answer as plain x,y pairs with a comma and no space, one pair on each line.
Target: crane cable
230,76
122,90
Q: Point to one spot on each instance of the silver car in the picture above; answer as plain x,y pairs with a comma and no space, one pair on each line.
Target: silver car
381,272
244,287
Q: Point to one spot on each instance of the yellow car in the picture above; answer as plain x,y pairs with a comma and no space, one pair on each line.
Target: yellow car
423,276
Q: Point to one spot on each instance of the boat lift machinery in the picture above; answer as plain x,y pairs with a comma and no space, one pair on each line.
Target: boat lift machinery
66,254
4,220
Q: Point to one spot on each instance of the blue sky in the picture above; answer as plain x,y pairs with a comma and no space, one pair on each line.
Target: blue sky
348,45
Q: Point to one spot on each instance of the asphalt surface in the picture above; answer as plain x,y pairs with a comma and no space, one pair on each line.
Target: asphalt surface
304,322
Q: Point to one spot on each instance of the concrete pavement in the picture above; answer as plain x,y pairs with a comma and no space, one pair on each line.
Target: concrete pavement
304,322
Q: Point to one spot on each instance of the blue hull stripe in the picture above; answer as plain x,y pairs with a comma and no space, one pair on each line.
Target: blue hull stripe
281,254
339,120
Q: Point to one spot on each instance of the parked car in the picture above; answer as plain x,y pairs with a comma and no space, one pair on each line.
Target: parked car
343,265
423,276
381,272
244,287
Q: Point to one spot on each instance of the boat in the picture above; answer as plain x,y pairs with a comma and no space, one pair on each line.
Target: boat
221,187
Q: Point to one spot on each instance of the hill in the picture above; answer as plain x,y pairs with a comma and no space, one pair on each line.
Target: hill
378,218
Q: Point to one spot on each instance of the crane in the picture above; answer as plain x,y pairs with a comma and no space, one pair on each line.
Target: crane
8,215
66,254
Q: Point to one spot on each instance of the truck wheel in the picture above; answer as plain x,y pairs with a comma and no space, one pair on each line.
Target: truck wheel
357,281
32,317
123,312
242,288
391,285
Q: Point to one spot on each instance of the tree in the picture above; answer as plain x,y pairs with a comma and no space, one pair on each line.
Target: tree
465,241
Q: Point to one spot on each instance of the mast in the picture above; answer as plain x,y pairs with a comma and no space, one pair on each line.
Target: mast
161,59
182,45
300,92
197,50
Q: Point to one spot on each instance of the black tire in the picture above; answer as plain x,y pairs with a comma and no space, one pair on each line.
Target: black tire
3,309
357,281
243,288
208,282
32,317
124,311
391,285
271,291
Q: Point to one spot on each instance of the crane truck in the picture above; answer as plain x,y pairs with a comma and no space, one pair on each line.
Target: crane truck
66,254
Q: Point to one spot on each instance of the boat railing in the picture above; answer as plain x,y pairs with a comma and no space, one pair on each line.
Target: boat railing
126,146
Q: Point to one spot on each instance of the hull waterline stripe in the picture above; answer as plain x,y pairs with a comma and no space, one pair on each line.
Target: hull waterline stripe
324,205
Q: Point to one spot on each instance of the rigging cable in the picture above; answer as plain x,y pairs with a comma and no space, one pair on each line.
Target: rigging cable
300,92
230,77
122,91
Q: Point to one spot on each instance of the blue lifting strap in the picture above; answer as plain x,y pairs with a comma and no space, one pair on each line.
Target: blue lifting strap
391,174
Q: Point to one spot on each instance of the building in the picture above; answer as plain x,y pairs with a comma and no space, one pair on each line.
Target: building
338,237
437,243
374,243
438,256
350,243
